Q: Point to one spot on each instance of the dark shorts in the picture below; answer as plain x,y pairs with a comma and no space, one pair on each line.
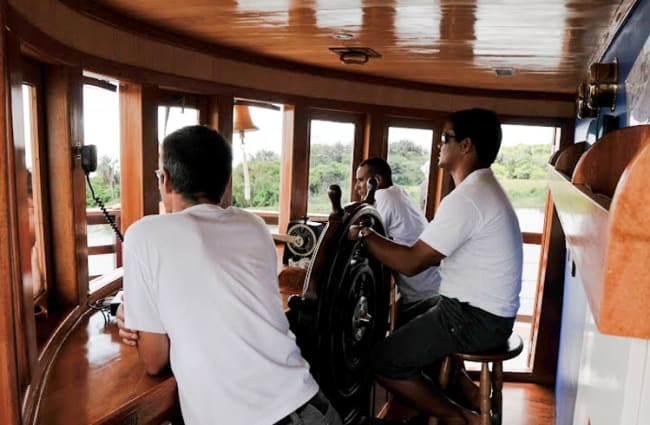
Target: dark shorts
445,327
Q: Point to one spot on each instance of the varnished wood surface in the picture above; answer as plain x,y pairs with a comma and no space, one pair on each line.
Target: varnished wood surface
127,53
608,237
9,385
523,404
550,45
66,181
96,379
601,166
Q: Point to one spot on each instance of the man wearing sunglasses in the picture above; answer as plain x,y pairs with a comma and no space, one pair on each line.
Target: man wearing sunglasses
475,238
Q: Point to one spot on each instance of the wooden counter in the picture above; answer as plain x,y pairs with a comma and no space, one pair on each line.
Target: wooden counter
605,213
96,379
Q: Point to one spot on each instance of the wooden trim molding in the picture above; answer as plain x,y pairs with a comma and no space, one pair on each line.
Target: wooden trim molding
9,385
138,140
66,179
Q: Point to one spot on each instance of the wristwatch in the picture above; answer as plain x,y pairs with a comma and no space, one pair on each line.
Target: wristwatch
363,232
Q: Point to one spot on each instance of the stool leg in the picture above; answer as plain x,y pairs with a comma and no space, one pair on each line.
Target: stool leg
445,373
497,384
484,392
443,380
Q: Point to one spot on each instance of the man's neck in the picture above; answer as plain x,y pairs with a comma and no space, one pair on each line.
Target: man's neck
179,202
461,172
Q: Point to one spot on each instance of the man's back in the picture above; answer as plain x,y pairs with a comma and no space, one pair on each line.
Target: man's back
404,224
207,277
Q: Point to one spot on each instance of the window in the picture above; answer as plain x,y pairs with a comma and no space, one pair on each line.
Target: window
330,162
409,154
101,123
34,197
170,119
257,159
521,169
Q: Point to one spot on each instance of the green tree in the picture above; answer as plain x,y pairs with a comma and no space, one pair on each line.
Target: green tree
406,160
106,182
264,168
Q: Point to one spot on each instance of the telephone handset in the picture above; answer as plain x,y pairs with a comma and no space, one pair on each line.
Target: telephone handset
89,164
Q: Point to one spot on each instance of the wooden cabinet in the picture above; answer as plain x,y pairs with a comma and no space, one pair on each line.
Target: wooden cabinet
604,208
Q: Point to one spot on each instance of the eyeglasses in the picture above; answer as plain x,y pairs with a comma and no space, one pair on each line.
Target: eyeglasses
158,173
446,137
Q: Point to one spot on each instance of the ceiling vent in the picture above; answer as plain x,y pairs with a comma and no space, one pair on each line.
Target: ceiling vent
355,55
504,71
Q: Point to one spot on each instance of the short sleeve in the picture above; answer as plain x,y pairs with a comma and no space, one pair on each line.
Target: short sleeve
454,223
140,307
385,209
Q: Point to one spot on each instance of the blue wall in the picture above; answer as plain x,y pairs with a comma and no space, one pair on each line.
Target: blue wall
625,47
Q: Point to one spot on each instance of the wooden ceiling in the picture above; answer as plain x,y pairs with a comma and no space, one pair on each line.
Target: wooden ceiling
548,43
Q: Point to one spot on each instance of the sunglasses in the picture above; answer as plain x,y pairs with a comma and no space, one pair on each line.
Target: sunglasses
446,138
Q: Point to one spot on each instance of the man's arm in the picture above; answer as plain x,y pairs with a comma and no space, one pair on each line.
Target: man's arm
407,260
154,351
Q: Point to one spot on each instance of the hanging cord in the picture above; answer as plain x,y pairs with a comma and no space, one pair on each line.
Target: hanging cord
101,206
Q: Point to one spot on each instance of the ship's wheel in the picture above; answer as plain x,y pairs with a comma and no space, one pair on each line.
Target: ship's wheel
343,310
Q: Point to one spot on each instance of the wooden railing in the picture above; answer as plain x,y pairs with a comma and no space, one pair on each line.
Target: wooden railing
96,217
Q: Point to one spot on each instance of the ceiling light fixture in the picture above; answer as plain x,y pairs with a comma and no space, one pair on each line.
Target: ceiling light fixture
343,36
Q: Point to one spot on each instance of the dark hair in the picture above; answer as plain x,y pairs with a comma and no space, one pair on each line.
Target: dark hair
483,128
379,166
198,161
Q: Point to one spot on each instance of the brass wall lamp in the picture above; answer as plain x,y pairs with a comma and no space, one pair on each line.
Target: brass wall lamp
603,85
583,108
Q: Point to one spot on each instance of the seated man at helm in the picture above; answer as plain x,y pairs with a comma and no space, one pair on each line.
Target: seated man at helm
475,238
404,223
202,296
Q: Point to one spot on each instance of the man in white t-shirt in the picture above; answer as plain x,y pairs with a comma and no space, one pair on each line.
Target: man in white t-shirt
475,238
201,291
404,223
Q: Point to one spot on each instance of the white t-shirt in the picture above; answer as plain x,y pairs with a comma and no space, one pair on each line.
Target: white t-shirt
404,223
477,230
207,277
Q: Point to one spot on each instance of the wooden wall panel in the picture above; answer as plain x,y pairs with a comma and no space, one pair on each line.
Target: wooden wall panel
17,173
63,92
9,400
294,176
138,152
220,116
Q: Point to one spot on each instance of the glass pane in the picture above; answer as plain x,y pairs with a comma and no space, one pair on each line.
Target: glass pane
521,169
409,153
102,128
171,118
101,264
330,162
37,252
257,159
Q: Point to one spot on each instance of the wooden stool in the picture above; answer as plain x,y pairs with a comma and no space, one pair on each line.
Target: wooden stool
490,382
